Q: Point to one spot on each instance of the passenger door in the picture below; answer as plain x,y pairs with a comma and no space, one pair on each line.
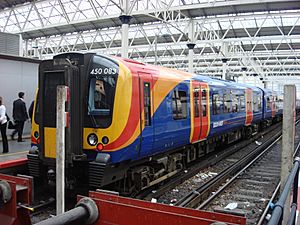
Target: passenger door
204,111
249,106
201,111
146,113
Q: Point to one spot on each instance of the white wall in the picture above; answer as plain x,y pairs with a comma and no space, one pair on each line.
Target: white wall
16,76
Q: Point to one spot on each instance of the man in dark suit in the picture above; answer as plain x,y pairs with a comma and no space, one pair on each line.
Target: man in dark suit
20,116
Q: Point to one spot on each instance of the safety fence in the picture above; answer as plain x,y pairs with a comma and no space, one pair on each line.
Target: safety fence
292,181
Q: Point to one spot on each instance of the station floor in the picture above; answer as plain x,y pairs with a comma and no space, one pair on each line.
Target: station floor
16,147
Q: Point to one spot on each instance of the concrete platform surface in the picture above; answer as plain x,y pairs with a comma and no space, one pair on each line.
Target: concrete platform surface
16,147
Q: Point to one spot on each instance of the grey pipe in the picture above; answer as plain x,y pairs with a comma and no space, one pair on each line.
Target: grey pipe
85,212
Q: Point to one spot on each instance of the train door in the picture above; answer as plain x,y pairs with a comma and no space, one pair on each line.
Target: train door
273,105
201,111
47,99
195,112
204,111
146,112
249,106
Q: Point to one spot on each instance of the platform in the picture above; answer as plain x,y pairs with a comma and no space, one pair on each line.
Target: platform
16,156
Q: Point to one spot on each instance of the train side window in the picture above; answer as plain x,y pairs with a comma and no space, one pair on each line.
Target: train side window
235,100
226,103
179,104
257,103
196,102
242,103
216,104
147,104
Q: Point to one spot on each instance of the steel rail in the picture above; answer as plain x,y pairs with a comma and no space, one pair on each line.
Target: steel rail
199,165
206,202
193,198
246,167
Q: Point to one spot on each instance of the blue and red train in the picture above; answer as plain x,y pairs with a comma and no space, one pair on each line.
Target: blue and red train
132,125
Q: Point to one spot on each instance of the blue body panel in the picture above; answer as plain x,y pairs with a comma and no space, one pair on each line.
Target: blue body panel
168,133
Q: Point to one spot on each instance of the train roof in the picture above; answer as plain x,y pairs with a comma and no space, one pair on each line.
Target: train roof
224,83
210,80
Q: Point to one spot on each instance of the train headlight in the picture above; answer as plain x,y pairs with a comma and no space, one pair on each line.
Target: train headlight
105,140
92,139
36,134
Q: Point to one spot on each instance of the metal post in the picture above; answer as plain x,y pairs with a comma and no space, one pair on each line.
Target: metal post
35,51
124,51
125,19
26,48
244,69
272,85
21,46
191,44
191,57
155,50
60,148
224,68
288,136
191,60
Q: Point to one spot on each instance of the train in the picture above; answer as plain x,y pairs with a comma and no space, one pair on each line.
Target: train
132,125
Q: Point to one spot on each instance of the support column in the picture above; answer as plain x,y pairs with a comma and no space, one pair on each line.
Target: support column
35,49
272,85
191,57
224,61
125,19
155,50
20,45
265,84
191,45
244,69
26,48
288,139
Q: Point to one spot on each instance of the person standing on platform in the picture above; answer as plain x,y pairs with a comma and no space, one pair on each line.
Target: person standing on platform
3,125
20,116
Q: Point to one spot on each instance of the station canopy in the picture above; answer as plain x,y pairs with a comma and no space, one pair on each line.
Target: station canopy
257,38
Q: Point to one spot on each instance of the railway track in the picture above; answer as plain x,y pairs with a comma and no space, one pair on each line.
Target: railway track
232,153
245,188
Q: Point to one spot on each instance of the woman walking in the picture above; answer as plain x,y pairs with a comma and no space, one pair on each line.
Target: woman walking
3,123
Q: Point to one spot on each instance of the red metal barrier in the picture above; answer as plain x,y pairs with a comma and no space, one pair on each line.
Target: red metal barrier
13,163
123,211
11,212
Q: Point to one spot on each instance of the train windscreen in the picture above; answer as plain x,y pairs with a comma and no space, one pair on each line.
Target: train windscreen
102,85
51,81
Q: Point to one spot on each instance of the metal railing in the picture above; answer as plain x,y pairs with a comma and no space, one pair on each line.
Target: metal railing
277,214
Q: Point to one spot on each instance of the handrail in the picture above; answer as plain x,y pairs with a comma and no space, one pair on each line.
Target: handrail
277,214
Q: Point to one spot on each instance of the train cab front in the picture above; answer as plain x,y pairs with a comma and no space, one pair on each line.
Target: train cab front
66,69
91,80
